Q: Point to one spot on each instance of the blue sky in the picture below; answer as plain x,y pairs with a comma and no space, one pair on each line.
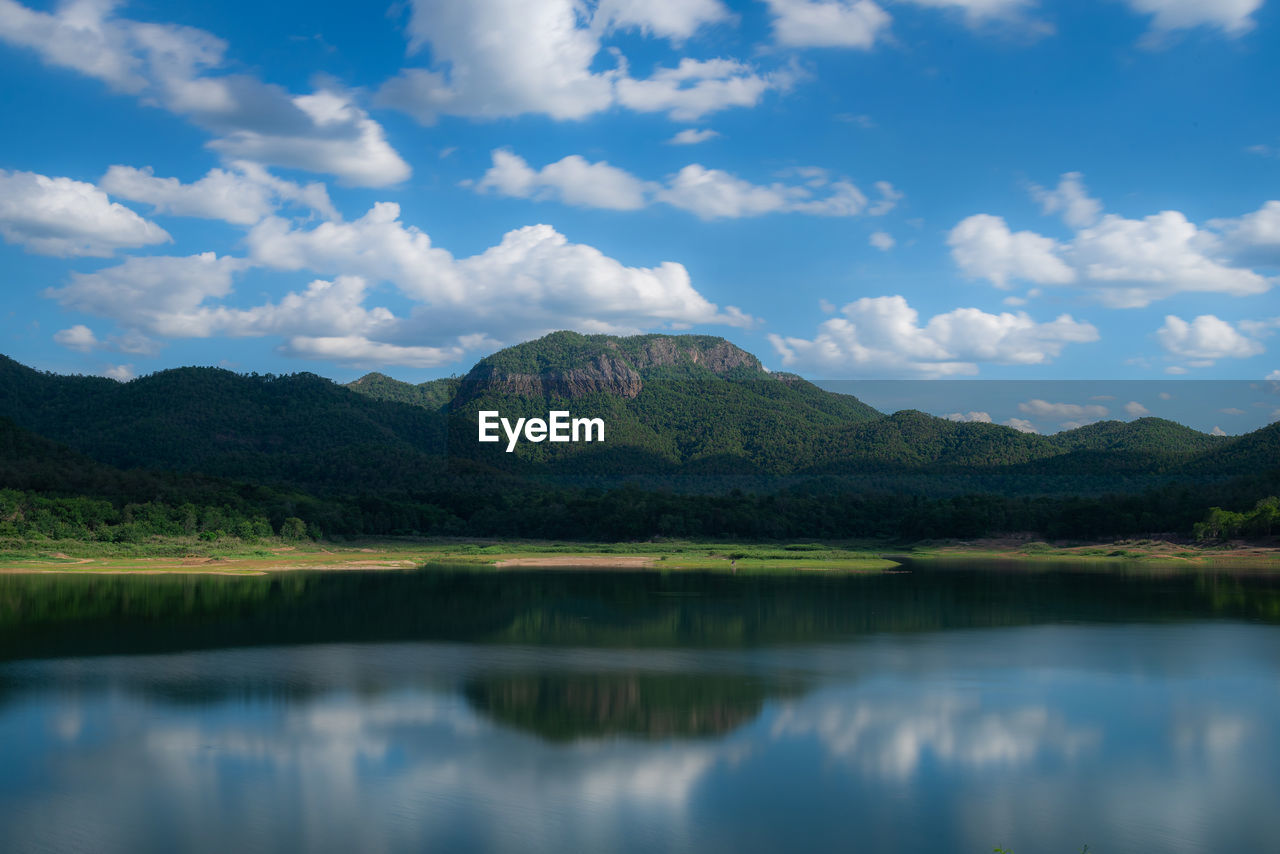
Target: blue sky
1002,189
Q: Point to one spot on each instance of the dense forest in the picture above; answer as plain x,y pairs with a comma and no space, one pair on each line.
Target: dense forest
702,443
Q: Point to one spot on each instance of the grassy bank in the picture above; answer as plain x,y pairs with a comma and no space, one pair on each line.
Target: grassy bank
191,555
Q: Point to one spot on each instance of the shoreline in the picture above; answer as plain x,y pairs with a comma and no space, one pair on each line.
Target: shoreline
384,555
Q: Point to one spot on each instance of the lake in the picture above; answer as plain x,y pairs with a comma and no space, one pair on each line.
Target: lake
947,708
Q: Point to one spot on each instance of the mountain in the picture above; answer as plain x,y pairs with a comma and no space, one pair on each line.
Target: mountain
299,429
701,441
1143,435
689,404
433,395
691,401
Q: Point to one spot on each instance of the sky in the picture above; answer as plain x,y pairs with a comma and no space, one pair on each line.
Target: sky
924,189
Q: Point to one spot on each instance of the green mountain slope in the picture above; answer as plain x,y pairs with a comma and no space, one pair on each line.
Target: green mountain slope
687,404
299,429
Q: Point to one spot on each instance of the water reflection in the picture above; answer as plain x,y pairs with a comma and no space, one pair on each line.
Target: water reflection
1151,727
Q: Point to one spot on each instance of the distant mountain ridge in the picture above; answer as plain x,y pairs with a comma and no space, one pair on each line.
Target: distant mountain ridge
688,404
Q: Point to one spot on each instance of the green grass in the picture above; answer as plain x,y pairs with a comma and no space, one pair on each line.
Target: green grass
230,555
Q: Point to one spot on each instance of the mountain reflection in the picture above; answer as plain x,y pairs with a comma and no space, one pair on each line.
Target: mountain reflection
569,707
76,615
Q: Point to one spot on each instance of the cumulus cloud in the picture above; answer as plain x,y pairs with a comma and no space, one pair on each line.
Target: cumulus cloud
828,23
884,335
860,24
1205,340
78,337
672,19
1080,412
533,281
881,240
1232,17
1022,425
889,198
692,136
497,58
242,195
713,193
706,193
1071,199
978,417
979,12
1121,262
119,373
1131,263
360,351
153,293
1135,409
185,298
571,180
983,246
59,216
1254,237
695,88
171,66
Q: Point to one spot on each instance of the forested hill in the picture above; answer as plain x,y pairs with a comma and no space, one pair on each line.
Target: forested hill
686,404
298,429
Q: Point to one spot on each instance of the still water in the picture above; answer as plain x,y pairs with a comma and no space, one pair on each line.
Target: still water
444,710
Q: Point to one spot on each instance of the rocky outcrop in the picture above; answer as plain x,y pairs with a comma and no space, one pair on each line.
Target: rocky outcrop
617,370
604,374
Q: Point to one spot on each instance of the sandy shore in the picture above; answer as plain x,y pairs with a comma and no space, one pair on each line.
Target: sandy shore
595,561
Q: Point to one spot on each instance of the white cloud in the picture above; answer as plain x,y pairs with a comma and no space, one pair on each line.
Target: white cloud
862,23
1255,236
360,351
828,23
242,195
978,417
892,740
1131,263
1071,199
153,293
979,12
119,373
707,193
672,19
881,240
1233,17
692,136
168,65
571,180
533,281
1123,263
1232,410
83,36
984,247
883,335
1274,376
1205,339
1135,409
325,132
1080,412
59,216
497,58
695,88
78,337
711,193
1022,425
1218,431
889,198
